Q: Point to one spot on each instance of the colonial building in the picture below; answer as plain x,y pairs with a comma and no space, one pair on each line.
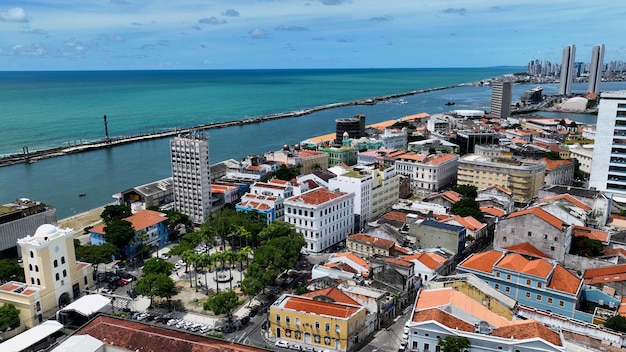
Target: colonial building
366,246
150,223
53,276
496,196
323,217
428,173
321,323
559,172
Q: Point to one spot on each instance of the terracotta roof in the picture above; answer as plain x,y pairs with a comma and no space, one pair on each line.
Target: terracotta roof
398,261
395,215
442,159
564,281
430,260
527,249
491,210
622,307
355,258
413,156
317,196
468,222
590,233
609,270
136,336
321,308
255,205
501,189
514,262
553,164
402,250
614,252
443,318
336,294
482,261
310,153
570,199
540,213
374,241
450,196
139,220
528,329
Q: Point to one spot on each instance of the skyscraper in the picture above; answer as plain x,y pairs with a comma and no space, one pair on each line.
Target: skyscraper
191,175
501,96
595,71
567,70
608,169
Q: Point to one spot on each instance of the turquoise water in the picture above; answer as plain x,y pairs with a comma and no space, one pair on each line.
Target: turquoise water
72,103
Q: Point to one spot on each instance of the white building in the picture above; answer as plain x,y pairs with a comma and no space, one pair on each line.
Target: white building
394,140
428,173
595,71
608,170
584,155
567,70
191,175
358,182
323,217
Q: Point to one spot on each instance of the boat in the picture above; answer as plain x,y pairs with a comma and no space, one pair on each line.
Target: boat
81,194
402,101
450,103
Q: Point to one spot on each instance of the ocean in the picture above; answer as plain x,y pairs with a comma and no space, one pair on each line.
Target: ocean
48,109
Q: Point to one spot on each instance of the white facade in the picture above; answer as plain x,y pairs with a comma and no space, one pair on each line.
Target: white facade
360,184
595,71
567,70
608,171
394,140
430,173
584,155
191,175
323,217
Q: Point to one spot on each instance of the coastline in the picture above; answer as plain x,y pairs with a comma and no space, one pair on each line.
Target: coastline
34,156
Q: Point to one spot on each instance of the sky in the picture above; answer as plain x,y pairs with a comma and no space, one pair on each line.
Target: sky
286,34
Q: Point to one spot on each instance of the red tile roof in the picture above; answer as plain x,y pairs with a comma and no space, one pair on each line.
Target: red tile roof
528,329
371,240
431,260
609,270
139,220
398,261
541,214
336,294
527,249
317,196
568,198
554,164
564,281
395,215
491,210
468,222
482,261
450,196
590,233
132,335
442,318
321,308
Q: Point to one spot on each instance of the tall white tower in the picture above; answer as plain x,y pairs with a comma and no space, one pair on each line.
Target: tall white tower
595,70
608,166
501,97
567,70
191,175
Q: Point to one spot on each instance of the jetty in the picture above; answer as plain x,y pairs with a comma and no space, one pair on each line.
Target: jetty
34,156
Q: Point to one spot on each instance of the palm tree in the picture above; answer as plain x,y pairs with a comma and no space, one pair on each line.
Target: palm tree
244,253
187,256
231,257
215,258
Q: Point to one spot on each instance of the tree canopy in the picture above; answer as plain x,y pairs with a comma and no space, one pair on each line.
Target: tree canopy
453,343
159,285
115,212
617,323
10,271
119,233
9,317
100,254
586,247
467,207
222,303
468,191
157,266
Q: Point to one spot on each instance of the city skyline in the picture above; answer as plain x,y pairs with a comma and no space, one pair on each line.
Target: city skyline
247,34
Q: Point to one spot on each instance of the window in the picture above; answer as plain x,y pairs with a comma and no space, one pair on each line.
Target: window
507,289
549,300
30,267
530,234
556,239
56,263
337,328
539,285
561,304
497,274
504,238
508,276
56,276
545,236
496,286
552,248
64,273
327,327
36,268
297,321
528,282
62,260
32,255
86,281
317,325
426,347
278,318
287,319
527,294
32,280
539,298
38,282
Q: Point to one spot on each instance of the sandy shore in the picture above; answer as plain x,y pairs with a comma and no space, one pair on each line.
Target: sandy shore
80,221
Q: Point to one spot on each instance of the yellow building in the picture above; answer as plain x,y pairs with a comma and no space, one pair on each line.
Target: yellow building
522,178
318,322
53,276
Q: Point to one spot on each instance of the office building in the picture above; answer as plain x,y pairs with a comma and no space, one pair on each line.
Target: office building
608,169
501,96
21,218
191,175
567,70
595,70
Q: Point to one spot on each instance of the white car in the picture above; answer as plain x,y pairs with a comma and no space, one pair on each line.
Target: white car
282,343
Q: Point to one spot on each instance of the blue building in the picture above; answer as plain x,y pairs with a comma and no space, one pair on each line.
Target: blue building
153,223
263,204
532,278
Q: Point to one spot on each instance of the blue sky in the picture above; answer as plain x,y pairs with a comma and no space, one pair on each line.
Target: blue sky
249,34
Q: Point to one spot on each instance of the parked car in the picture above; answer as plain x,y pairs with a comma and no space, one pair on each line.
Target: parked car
295,347
131,293
308,349
282,344
123,281
172,322
143,316
205,329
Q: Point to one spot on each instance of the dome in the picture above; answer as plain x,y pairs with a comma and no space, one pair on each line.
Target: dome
45,230
575,104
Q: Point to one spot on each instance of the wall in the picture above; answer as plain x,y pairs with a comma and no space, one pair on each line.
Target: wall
580,264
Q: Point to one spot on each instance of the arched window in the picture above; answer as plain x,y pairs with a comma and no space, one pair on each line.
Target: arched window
56,263
64,273
62,260
56,276
36,268
38,282
30,267
32,255
32,280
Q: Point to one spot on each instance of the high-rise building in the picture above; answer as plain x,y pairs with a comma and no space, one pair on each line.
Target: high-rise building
501,96
595,71
191,175
567,70
608,168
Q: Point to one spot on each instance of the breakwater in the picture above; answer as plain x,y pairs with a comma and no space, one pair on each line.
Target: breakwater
33,156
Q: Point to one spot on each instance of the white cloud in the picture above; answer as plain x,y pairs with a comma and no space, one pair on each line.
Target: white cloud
14,14
257,33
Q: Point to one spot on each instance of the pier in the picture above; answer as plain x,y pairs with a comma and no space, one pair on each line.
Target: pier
34,156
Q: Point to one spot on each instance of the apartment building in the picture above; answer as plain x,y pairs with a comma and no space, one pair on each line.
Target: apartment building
428,173
522,178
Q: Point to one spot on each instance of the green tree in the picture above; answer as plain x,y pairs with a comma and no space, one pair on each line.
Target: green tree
552,155
467,207
617,323
159,285
115,212
277,229
586,247
96,255
453,343
466,191
157,266
10,271
9,317
222,303
119,233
